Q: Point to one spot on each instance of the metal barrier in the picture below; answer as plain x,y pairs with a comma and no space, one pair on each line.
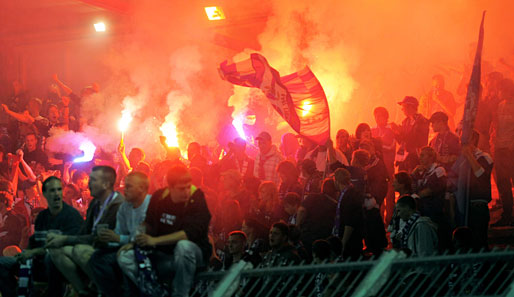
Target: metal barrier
461,274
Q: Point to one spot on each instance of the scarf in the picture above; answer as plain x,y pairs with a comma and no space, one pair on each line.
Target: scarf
406,230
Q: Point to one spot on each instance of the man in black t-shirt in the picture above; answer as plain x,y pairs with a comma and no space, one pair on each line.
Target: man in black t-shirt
176,224
58,216
32,154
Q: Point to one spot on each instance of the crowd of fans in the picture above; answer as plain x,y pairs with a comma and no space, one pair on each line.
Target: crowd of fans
121,225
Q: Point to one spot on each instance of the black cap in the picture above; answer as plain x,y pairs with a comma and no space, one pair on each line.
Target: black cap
439,116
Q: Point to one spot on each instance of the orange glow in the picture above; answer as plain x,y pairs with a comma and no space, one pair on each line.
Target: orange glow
169,130
214,13
99,27
306,107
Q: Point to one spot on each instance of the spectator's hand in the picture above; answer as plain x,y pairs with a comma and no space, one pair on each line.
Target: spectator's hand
24,256
65,101
418,169
5,108
145,240
121,147
19,153
108,235
467,150
55,77
55,240
126,247
162,139
394,127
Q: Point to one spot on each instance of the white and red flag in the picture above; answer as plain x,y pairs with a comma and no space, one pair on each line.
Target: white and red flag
298,97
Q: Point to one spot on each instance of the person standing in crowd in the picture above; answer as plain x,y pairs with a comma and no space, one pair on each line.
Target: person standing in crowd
378,176
176,223
430,182
486,114
343,144
325,155
384,132
268,159
419,235
363,133
11,224
316,214
130,215
32,154
237,159
479,190
412,134
268,208
291,203
195,158
312,178
439,100
349,219
289,146
402,183
306,145
289,175
76,101
71,253
445,143
503,149
359,176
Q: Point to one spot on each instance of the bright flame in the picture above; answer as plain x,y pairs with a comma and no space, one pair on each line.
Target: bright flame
238,124
100,27
214,13
306,107
250,119
126,118
89,152
169,130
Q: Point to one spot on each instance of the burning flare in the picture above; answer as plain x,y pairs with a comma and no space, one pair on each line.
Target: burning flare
126,118
238,124
169,130
306,107
89,152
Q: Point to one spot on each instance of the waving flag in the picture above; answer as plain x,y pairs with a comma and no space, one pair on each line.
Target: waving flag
468,121
298,97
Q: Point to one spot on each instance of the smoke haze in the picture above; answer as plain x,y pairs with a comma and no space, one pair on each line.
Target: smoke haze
368,53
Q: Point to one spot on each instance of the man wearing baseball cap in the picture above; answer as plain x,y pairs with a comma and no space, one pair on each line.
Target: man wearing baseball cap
412,134
445,143
267,160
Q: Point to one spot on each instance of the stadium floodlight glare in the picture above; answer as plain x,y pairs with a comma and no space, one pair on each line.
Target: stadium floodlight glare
99,27
214,13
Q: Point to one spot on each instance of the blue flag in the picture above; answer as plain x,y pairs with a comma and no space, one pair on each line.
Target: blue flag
468,122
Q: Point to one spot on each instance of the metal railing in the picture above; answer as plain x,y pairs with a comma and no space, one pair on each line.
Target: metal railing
460,274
